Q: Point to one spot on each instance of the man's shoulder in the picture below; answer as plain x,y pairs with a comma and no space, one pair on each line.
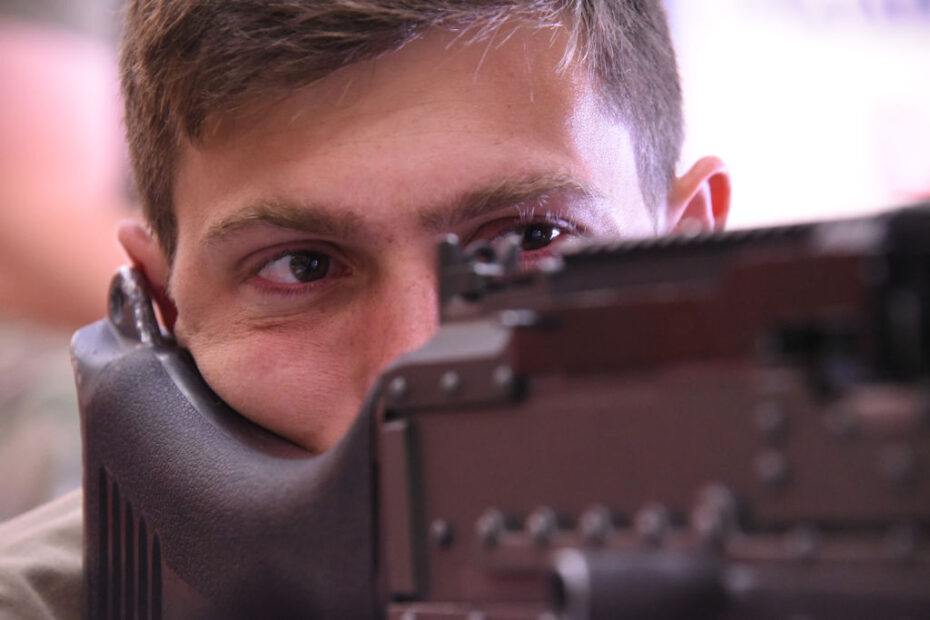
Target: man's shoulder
40,561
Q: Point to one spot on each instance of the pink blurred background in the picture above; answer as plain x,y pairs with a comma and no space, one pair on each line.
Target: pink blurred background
821,108
63,188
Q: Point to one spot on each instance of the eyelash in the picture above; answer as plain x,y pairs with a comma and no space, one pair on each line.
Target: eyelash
521,224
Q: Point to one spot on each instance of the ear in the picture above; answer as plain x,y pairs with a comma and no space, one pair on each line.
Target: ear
146,254
700,199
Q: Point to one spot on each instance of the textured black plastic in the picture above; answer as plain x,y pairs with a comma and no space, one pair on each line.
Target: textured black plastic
229,520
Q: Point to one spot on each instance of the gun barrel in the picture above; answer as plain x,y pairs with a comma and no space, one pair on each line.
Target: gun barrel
630,586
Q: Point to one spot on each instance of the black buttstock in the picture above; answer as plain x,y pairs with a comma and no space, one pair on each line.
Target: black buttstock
191,511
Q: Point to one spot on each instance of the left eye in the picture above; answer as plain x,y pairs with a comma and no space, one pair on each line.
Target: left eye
538,236
296,268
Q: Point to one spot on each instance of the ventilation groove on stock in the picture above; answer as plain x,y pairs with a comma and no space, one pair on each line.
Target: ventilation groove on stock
130,556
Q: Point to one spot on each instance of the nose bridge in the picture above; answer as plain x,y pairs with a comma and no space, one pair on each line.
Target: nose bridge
409,308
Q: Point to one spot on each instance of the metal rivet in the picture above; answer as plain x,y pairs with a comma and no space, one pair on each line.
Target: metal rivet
408,615
740,580
595,525
398,388
652,523
771,421
503,377
772,468
715,514
450,382
441,533
542,525
489,527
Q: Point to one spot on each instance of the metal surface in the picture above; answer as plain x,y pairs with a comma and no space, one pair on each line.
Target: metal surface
732,426
727,406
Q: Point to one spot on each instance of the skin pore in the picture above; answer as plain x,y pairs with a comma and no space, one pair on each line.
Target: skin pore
307,226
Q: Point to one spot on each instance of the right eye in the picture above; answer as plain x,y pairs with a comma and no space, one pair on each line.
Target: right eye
296,267
538,235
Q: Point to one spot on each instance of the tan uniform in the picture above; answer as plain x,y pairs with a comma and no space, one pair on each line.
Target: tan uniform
40,562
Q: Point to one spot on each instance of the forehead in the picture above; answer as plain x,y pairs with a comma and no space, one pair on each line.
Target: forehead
440,71
411,128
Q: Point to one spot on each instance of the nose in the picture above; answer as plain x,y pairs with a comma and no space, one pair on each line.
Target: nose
407,306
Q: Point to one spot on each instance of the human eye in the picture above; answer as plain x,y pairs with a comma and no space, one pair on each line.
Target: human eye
537,237
296,270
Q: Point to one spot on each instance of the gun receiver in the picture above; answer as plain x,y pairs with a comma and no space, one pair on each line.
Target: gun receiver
735,425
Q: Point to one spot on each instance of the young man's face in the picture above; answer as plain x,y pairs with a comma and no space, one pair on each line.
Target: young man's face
307,226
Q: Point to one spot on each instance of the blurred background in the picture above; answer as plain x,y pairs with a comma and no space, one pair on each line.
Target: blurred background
63,187
820,108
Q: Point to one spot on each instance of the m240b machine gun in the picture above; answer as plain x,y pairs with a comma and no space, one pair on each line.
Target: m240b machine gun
731,426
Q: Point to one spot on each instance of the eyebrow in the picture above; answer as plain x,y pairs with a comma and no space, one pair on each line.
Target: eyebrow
284,214
316,219
525,192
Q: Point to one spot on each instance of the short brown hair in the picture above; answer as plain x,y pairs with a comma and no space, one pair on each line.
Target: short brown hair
183,60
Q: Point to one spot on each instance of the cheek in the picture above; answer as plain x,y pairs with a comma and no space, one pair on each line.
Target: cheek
305,384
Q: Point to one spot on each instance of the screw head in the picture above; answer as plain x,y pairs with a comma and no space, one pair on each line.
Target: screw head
652,523
441,533
595,525
450,382
398,388
715,514
489,527
503,377
542,525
